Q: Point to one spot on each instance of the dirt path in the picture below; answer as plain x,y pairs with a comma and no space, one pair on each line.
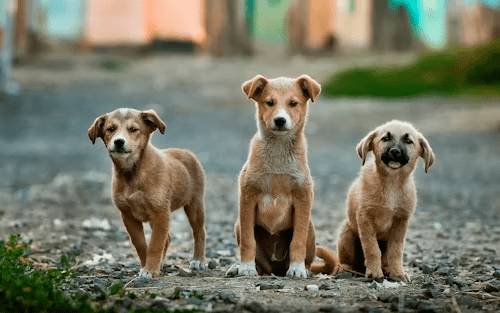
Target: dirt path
55,184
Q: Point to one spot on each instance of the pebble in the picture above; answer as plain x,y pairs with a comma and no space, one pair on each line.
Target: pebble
270,286
312,287
496,273
212,264
343,275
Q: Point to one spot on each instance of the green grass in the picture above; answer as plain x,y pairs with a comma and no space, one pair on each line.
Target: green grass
24,288
468,71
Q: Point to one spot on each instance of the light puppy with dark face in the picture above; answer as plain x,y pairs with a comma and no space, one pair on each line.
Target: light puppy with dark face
274,229
149,183
382,199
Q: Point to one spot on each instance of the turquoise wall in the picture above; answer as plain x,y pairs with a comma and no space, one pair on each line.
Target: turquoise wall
64,19
428,20
269,20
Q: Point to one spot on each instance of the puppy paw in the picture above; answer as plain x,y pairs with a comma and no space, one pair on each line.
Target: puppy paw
297,270
399,276
145,274
375,273
242,269
197,265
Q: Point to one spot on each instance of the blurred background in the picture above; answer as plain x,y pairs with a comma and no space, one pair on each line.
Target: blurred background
435,63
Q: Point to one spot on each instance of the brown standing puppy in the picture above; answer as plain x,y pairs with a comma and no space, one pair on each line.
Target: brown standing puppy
381,201
274,229
149,183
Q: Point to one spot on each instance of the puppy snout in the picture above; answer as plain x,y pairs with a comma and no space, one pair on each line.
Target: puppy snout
119,143
279,122
395,152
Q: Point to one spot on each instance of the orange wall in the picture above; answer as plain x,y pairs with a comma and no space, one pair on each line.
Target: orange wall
320,23
112,22
353,28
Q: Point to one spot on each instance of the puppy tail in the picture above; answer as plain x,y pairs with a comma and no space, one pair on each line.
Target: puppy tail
330,264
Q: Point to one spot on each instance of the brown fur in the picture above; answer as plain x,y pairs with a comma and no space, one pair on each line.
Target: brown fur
148,184
380,203
274,229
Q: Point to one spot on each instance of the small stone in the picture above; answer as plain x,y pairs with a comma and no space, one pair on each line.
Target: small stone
427,307
212,264
343,275
185,273
496,273
427,268
312,287
270,286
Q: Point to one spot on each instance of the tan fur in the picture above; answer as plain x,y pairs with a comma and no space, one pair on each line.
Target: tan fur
148,184
274,227
380,203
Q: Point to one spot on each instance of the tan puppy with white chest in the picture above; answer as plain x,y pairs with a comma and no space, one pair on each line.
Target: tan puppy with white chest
381,201
149,183
274,229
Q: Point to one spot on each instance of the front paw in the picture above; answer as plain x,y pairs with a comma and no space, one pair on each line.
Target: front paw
398,274
375,272
197,265
147,274
297,270
242,269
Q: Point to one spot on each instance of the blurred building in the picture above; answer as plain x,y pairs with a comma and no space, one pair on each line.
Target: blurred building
237,26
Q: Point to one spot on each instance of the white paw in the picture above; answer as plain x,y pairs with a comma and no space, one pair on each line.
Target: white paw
242,269
197,265
297,270
145,274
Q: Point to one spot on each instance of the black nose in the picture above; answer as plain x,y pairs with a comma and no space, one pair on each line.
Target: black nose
280,121
119,143
395,152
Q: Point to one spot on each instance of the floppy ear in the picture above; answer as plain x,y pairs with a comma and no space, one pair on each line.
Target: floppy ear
96,129
153,120
365,146
253,88
426,153
309,87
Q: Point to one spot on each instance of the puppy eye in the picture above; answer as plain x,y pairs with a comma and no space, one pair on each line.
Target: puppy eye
408,141
386,138
133,129
111,129
270,103
292,103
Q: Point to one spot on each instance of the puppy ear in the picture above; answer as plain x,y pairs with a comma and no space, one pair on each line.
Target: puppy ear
426,153
365,146
309,87
253,88
153,120
96,129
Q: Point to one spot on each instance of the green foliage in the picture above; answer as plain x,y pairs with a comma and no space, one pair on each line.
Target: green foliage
463,71
26,289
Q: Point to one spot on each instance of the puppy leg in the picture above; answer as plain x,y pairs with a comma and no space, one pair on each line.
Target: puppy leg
248,206
136,234
196,215
302,203
167,243
310,246
159,233
371,250
395,247
346,247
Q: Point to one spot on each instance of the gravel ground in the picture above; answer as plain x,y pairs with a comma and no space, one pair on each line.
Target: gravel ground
55,186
